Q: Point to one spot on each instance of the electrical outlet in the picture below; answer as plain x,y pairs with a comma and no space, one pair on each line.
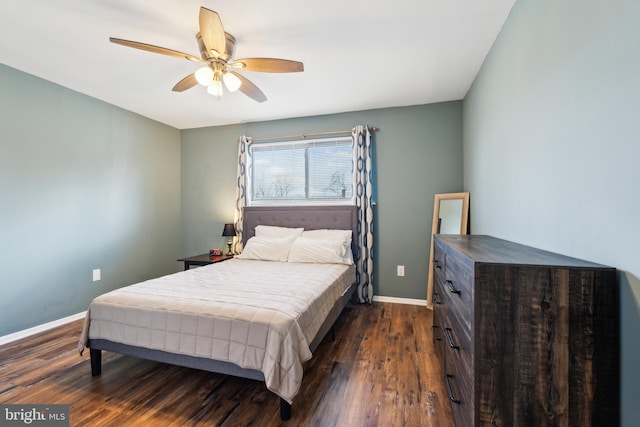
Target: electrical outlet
400,271
96,275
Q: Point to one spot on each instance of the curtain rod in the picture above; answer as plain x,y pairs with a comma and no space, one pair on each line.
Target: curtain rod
304,135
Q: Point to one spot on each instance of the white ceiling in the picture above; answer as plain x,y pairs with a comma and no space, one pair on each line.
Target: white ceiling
357,54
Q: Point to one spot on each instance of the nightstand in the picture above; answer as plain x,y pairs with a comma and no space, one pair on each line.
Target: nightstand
203,259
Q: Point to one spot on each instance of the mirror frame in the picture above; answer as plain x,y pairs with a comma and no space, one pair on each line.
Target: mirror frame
464,221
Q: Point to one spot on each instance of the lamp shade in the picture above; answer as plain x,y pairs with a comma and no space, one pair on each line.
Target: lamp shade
215,88
232,82
229,230
204,76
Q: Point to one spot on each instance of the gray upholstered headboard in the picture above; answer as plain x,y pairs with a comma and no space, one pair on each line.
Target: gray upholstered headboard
341,217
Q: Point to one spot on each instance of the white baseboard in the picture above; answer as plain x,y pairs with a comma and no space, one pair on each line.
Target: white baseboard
396,300
40,328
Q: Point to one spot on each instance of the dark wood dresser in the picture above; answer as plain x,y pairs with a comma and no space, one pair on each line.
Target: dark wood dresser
525,337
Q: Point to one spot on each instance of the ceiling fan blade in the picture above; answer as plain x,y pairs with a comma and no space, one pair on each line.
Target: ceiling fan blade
212,32
154,49
268,65
186,83
249,89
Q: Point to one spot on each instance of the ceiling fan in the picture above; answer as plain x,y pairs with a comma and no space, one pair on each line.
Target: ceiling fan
217,48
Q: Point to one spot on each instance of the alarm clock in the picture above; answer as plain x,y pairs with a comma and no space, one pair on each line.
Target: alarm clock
215,252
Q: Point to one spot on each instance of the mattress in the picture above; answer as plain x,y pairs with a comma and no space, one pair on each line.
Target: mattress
256,314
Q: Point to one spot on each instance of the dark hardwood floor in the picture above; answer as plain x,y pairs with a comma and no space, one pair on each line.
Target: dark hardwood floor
380,371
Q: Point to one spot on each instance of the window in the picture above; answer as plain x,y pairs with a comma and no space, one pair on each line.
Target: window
297,172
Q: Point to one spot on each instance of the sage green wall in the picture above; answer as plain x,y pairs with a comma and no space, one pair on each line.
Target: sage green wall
83,185
551,146
418,153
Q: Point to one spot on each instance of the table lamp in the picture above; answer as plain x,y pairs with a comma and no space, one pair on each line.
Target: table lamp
229,232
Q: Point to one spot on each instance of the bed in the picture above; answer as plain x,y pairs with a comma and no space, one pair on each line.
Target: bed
243,317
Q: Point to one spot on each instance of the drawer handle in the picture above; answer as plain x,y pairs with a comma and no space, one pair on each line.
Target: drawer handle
449,389
435,337
452,289
436,264
436,298
447,334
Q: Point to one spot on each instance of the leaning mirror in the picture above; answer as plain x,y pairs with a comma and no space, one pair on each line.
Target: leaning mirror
450,216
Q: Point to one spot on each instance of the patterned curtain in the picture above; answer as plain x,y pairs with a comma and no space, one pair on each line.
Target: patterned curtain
364,193
241,190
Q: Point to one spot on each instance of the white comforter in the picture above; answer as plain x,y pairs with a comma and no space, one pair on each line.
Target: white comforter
257,314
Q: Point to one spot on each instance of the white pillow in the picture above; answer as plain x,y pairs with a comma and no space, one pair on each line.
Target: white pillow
273,232
320,251
326,234
266,249
348,257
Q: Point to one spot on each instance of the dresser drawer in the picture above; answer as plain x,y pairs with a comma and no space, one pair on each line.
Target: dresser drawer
437,330
457,343
439,306
458,370
439,260
462,406
458,289
459,269
437,297
439,271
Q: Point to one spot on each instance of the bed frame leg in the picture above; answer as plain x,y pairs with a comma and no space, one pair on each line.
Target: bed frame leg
285,410
96,362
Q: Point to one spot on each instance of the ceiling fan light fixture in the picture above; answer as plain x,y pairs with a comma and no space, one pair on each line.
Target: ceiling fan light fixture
204,76
232,82
217,49
215,88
